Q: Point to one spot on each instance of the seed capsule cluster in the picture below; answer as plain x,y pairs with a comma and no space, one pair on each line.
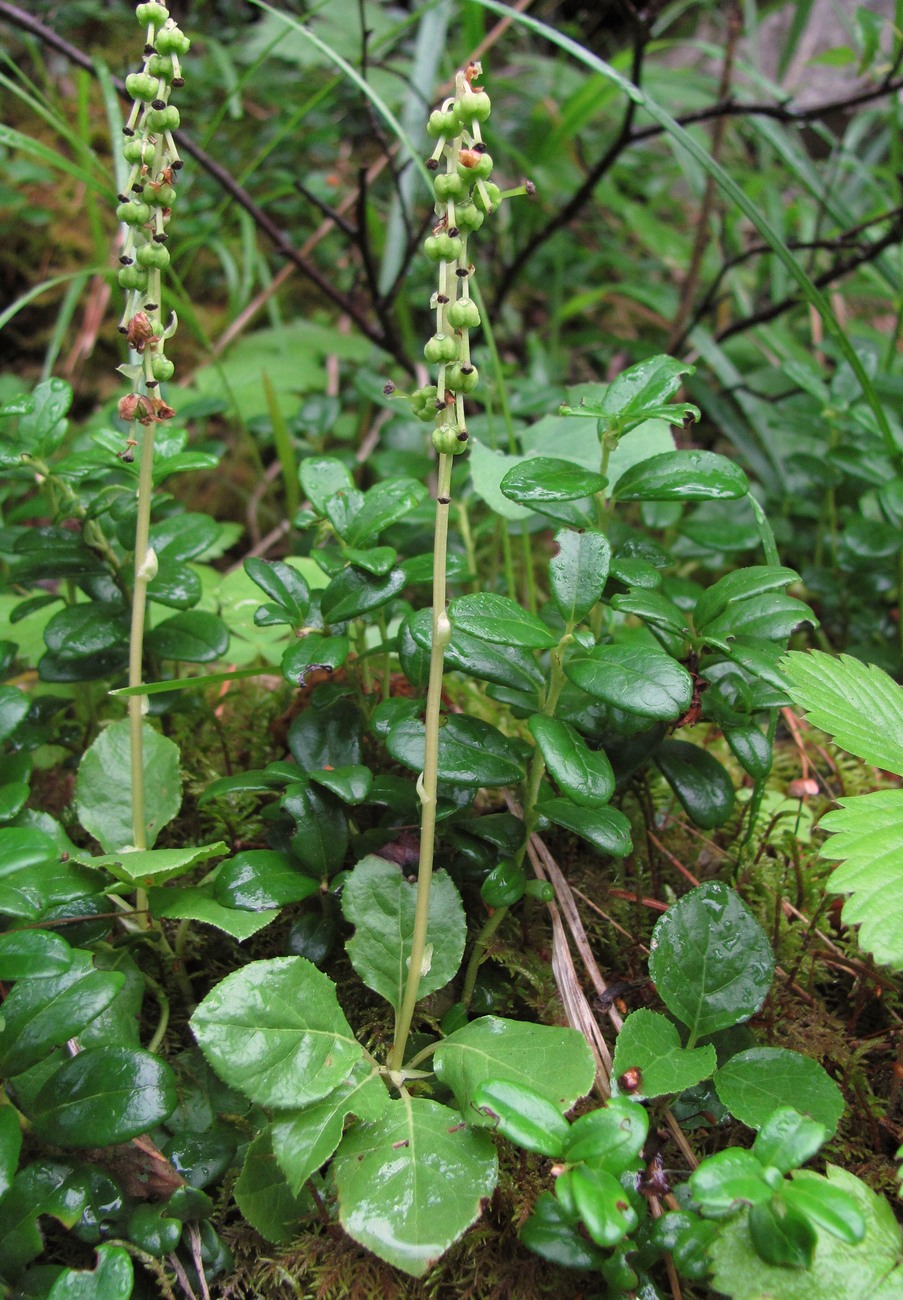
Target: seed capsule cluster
146,204
464,198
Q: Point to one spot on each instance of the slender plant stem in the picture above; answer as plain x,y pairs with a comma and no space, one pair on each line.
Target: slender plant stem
429,778
143,574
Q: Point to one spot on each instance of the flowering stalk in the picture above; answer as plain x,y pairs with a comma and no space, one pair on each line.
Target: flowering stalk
145,208
464,198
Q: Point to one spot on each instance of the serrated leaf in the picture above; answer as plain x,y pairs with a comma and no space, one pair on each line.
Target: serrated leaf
380,903
579,571
41,1014
412,1182
553,1061
710,960
303,1140
264,1197
147,867
275,1031
649,1042
197,903
639,679
33,952
868,839
104,793
843,697
500,620
259,879
754,1083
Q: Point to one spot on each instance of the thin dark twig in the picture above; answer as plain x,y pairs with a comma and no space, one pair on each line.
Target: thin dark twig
327,210
835,272
260,218
363,239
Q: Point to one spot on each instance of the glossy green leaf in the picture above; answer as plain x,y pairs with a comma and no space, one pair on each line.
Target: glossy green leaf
471,752
756,1082
750,746
194,637
609,1138
638,679
321,477
500,620
257,879
147,867
607,829
723,1182
90,629
552,1233
14,705
20,1236
41,1014
33,952
314,652
282,584
176,585
383,505
740,585
412,1182
10,1146
377,560
104,1095
505,885
869,1268
327,735
178,536
603,1205
320,841
583,774
827,1206
351,783
252,781
264,1197
197,903
275,1031
104,794
710,960
639,393
379,902
152,1230
544,478
788,1139
506,665
701,783
553,1061
649,1042
578,572
682,476
654,609
843,697
522,1115
112,1279
354,592
781,1235
770,617
303,1140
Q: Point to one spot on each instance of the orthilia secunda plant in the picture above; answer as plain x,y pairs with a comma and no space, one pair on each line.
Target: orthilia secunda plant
145,208
465,196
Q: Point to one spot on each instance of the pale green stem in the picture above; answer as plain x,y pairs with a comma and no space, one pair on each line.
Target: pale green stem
143,576
429,779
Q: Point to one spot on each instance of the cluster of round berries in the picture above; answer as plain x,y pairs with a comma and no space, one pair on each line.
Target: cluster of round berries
464,198
146,204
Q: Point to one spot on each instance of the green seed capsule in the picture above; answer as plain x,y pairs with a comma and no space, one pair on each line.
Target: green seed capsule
463,314
152,13
441,348
447,440
468,217
441,124
495,197
462,379
163,368
159,196
133,151
474,107
159,65
155,255
133,214
483,169
163,119
172,40
133,277
423,402
450,186
141,86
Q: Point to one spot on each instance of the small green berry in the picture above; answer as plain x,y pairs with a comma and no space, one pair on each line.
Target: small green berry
439,350
495,197
462,379
463,314
447,440
152,13
450,186
155,255
473,107
141,86
172,40
133,277
163,368
133,214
